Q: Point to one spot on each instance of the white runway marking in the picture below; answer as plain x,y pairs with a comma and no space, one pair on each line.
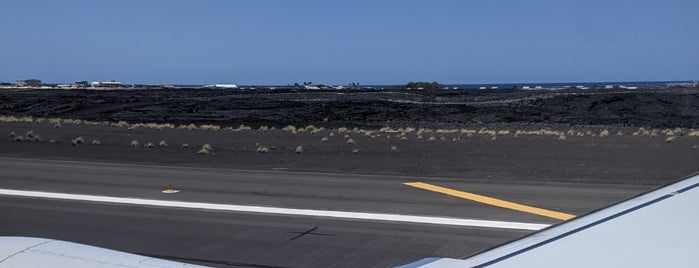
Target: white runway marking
281,211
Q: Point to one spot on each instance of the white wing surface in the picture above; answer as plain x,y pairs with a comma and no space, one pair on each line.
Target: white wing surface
656,229
30,252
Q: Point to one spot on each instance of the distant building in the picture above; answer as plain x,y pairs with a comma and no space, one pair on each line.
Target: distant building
28,83
81,84
109,83
222,86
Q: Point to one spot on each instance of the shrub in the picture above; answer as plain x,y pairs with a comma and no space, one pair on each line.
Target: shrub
203,151
30,134
262,149
394,149
185,145
19,138
263,128
355,151
493,139
604,133
134,143
79,140
431,138
12,134
162,143
350,141
96,142
670,139
324,139
299,149
52,141
332,134
150,145
122,124
347,136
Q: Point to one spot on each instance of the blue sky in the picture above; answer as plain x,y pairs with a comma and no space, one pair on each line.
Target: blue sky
337,42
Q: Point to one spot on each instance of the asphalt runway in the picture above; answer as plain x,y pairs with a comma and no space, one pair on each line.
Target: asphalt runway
248,239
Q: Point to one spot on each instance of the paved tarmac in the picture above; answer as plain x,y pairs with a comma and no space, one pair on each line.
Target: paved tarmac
241,239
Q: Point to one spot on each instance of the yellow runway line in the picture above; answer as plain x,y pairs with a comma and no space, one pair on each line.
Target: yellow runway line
492,201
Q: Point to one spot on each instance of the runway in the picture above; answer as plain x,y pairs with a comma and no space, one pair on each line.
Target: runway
255,239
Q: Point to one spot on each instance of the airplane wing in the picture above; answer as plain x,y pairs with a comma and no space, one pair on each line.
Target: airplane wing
659,228
31,252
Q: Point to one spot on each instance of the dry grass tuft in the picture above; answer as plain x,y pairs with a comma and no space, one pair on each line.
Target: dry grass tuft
693,133
188,127
350,141
291,129
355,151
262,149
184,145
96,142
122,124
207,147
12,134
134,143
79,140
162,143
52,141
263,128
210,127
30,134
670,139
604,133
503,132
299,149
431,138
394,149
150,145
324,139
342,130
19,138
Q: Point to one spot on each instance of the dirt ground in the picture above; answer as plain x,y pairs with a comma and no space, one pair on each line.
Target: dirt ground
538,153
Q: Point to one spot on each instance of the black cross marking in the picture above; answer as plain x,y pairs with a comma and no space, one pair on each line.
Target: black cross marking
309,232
